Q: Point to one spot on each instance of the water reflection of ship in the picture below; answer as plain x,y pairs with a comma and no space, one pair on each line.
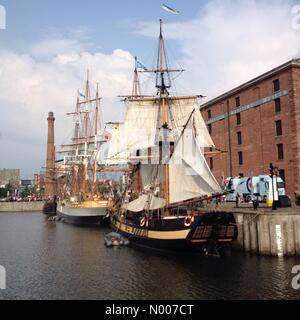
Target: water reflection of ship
161,139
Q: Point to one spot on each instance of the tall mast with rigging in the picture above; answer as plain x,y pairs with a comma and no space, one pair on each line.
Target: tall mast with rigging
172,116
162,89
86,136
162,85
136,92
95,141
74,188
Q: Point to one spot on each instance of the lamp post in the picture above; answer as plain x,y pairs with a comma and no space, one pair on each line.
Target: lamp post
272,171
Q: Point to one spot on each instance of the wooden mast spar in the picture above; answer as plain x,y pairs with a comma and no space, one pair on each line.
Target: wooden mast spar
96,144
163,96
136,91
162,69
163,92
85,134
74,185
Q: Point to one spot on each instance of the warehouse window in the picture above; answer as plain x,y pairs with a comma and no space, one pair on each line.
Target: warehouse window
282,174
241,160
209,128
277,105
280,151
276,85
278,128
237,102
209,114
238,119
211,163
239,138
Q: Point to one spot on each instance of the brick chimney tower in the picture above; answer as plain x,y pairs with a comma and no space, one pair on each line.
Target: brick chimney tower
50,164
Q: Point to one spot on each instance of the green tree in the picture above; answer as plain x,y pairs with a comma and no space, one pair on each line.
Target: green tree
8,188
27,192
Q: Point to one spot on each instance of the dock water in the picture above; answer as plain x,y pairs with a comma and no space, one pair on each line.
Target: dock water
264,232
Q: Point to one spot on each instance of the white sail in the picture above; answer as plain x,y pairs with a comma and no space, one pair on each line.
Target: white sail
116,153
145,202
190,176
180,111
151,175
141,129
202,135
140,125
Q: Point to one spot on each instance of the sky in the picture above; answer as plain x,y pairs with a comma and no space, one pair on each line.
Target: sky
48,45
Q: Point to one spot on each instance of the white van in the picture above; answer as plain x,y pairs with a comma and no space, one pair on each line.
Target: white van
257,187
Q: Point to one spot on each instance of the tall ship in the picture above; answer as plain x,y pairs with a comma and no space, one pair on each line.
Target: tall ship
164,140
83,199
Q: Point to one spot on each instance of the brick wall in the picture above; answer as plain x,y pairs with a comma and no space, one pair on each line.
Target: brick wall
258,130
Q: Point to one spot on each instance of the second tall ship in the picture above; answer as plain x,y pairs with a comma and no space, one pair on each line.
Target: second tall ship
83,199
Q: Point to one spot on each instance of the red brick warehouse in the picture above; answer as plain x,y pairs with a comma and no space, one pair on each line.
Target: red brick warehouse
258,123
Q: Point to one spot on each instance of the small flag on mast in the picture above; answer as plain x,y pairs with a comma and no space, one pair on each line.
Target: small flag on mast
81,95
169,9
107,136
139,65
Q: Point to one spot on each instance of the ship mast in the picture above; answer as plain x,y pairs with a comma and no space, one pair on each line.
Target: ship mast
162,87
85,133
74,189
95,142
136,91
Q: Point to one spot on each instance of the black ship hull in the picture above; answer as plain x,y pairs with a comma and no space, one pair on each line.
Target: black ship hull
206,233
49,208
82,220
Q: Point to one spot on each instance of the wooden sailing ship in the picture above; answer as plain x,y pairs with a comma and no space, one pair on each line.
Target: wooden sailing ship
163,139
81,201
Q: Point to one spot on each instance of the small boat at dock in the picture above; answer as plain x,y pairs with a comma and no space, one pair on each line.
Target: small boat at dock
115,239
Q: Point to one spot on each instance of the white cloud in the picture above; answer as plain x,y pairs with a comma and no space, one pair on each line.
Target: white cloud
34,84
231,42
50,47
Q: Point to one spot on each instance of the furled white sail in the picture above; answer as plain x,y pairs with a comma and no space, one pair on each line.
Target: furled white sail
190,176
145,202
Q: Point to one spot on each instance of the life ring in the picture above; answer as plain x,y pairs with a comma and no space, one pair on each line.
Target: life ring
143,222
249,185
188,220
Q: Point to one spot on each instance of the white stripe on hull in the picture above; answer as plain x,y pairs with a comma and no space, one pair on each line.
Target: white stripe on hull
81,212
158,235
